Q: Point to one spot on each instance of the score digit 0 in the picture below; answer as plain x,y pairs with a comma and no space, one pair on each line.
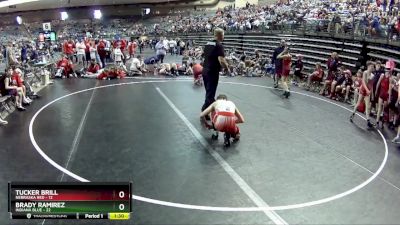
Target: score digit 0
121,194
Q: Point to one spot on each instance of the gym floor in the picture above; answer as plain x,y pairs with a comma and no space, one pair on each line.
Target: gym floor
301,156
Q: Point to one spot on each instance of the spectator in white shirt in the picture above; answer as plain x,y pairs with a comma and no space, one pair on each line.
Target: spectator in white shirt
172,46
80,52
118,55
137,66
161,50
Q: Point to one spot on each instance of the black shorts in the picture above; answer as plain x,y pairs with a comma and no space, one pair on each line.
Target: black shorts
340,80
87,54
298,73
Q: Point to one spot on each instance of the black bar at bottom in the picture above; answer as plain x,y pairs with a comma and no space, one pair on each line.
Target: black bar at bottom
34,216
85,216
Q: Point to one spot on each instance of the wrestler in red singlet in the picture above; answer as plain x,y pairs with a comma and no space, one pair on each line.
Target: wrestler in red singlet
286,63
384,88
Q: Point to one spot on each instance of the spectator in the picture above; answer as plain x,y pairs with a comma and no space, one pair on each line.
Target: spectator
118,55
172,46
11,59
182,47
132,48
69,49
93,68
10,83
298,69
161,50
24,53
137,66
101,49
80,52
17,76
316,76
93,53
65,68
88,55
332,65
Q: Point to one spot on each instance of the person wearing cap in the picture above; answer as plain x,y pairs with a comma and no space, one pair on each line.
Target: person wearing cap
214,60
383,92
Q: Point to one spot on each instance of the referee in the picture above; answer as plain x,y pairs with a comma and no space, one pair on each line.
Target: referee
214,59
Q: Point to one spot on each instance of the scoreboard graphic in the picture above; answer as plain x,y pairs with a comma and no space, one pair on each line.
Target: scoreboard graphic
66,200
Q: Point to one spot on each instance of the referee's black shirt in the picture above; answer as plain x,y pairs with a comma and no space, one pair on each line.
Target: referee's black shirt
212,50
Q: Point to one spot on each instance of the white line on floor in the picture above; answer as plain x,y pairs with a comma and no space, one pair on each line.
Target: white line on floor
228,169
78,134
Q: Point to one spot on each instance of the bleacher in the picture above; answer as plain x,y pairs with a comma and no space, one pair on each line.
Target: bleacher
313,49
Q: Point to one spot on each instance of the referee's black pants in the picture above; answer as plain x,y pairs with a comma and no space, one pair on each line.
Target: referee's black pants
210,84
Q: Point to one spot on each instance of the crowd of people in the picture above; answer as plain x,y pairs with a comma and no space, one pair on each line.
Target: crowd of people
378,18
93,58
375,88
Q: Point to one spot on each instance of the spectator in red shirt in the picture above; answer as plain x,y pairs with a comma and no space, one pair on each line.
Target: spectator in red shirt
94,67
17,76
69,49
317,75
66,67
12,88
197,71
132,49
101,49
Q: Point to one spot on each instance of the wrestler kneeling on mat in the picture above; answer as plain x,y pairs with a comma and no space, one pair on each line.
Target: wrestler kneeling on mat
225,116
